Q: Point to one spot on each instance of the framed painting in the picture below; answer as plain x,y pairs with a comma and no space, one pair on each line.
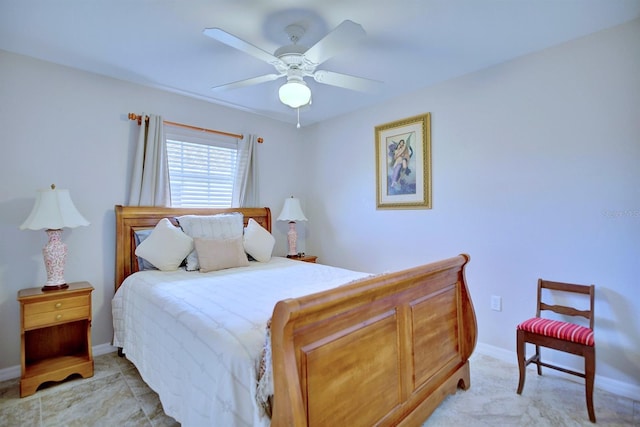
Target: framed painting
403,163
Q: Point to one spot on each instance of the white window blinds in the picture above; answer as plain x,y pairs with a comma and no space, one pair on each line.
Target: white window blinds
202,168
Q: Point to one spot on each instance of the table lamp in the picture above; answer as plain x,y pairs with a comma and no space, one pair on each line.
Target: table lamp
292,212
53,211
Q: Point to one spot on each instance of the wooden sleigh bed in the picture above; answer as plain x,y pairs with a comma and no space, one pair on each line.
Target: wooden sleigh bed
385,350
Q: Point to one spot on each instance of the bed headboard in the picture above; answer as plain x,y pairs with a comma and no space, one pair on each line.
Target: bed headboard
132,218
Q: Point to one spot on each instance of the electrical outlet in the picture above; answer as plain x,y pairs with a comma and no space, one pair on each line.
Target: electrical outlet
496,303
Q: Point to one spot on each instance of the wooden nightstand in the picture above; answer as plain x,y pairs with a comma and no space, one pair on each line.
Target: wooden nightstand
305,258
55,335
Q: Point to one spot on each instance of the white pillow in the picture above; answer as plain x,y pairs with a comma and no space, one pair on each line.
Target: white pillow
216,255
166,247
258,242
218,227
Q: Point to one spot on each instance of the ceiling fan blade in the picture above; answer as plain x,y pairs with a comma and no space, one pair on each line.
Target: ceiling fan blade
345,35
248,82
237,43
346,81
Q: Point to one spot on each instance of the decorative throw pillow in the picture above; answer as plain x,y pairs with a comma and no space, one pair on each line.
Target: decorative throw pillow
216,254
140,236
258,242
166,246
219,227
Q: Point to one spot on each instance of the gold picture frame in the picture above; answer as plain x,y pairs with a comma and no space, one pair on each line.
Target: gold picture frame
403,163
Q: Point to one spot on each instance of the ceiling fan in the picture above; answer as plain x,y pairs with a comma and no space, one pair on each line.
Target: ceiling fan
295,62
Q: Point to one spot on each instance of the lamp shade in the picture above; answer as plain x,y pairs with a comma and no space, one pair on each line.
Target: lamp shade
291,211
295,93
53,210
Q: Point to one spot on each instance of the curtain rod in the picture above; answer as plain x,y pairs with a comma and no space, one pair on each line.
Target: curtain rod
134,116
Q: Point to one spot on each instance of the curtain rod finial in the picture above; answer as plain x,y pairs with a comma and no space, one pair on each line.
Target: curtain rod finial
134,116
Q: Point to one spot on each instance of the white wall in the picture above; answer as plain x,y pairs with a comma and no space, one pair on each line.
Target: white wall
69,127
535,174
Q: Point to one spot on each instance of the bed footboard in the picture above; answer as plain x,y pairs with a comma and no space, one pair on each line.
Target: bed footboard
381,351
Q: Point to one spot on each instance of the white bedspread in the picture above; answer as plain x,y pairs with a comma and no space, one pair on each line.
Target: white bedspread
196,338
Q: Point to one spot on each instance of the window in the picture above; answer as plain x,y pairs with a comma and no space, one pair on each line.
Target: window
202,168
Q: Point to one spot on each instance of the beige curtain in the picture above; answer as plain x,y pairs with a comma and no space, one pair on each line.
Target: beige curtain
245,185
150,178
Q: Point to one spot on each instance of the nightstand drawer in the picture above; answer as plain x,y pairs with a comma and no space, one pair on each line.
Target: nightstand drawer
55,317
56,305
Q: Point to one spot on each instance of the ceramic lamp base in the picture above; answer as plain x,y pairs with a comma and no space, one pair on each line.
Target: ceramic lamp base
55,254
292,237
46,288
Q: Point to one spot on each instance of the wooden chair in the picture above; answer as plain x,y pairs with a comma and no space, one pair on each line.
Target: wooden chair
559,335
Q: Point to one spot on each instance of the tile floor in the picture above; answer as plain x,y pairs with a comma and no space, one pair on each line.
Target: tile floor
546,400
114,396
117,396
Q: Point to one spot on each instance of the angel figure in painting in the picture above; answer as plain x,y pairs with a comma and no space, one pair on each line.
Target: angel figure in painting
399,154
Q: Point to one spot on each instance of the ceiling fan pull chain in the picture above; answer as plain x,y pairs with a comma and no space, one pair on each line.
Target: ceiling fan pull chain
298,126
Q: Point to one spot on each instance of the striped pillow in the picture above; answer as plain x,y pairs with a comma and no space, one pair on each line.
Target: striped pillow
558,329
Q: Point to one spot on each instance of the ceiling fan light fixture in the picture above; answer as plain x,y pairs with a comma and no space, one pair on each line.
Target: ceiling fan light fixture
295,93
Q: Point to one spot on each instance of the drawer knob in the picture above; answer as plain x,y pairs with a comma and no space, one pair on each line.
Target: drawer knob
58,305
58,316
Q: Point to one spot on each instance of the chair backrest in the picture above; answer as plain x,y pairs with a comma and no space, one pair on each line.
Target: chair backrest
563,309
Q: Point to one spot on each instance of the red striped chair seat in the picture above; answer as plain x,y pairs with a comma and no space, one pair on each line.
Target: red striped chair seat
558,329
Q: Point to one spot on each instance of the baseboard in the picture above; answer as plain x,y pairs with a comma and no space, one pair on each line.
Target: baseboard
101,349
14,371
10,373
604,383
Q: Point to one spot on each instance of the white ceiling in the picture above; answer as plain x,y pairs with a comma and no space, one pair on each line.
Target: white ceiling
410,44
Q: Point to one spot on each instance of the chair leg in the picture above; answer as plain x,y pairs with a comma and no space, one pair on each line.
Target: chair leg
520,349
590,372
538,360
